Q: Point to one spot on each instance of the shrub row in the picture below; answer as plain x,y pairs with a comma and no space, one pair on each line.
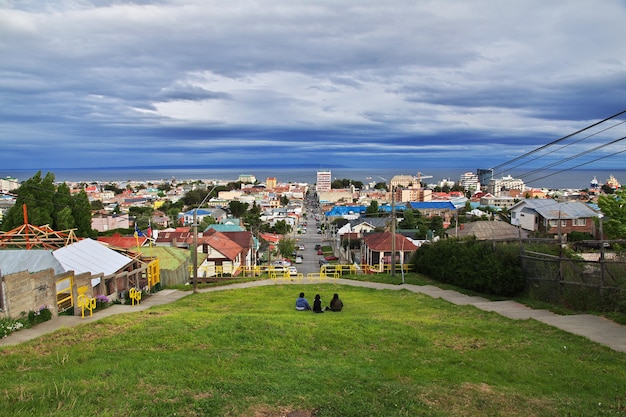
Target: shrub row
475,265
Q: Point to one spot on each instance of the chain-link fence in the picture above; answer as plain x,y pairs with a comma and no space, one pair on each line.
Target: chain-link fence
577,284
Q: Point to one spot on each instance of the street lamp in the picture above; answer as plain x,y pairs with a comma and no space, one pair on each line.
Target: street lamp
195,240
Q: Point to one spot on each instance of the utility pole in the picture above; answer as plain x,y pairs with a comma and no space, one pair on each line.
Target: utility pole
194,254
393,232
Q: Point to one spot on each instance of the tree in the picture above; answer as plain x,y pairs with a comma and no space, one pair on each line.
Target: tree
409,221
284,201
37,194
282,228
613,206
252,218
286,247
372,209
81,211
380,186
49,205
237,208
97,205
345,183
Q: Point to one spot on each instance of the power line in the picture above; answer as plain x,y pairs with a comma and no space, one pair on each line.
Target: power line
578,166
571,158
563,147
556,141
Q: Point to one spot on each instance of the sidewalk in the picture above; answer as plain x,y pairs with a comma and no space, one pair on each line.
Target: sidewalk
594,328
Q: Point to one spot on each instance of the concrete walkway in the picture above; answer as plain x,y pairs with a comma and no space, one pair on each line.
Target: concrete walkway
594,328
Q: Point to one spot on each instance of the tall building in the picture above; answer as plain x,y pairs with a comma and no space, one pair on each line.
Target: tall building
9,184
271,182
497,186
484,175
324,181
469,181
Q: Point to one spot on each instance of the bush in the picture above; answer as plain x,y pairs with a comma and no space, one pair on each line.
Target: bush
475,265
8,326
102,302
40,315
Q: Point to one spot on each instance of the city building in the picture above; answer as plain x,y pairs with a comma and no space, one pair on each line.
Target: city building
469,181
498,187
324,181
247,179
9,184
271,182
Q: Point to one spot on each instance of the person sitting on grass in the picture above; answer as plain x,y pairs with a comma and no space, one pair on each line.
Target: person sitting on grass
302,304
317,304
335,304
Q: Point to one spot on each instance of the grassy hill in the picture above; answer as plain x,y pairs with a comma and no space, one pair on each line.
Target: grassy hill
247,352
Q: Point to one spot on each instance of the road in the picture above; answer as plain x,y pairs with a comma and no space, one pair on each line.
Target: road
310,258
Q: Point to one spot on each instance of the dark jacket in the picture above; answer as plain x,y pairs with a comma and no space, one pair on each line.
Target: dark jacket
317,305
336,304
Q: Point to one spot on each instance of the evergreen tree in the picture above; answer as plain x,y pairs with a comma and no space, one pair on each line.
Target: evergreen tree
63,216
81,211
37,194
49,205
372,209
613,206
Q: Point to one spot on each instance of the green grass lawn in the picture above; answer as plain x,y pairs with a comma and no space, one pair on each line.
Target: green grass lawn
247,352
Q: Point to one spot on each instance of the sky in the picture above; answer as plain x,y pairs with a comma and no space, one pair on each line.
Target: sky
325,83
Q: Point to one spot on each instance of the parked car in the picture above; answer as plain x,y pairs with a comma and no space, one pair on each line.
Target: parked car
318,246
301,247
293,271
323,262
298,259
331,258
319,252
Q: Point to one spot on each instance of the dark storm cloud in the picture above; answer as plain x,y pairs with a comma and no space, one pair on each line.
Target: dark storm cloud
358,83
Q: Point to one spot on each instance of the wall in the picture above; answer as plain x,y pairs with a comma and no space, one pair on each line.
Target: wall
23,292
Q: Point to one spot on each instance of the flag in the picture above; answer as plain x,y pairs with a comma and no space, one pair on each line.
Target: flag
138,232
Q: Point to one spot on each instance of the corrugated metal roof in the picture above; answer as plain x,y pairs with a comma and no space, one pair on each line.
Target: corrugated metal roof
432,205
19,260
551,209
91,256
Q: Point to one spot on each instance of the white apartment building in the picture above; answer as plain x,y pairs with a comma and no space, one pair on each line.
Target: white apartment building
9,184
469,181
498,186
324,181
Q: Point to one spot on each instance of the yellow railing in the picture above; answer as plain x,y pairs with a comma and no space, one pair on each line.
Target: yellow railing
86,303
153,273
134,295
65,299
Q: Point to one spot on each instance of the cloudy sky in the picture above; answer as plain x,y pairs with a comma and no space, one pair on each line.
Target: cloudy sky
316,83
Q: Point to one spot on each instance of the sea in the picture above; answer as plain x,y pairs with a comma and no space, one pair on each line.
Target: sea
569,179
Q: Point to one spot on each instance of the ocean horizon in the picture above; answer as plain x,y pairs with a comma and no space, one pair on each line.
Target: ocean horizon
564,179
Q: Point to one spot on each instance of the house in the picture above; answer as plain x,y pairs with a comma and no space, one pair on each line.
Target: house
56,278
444,209
377,249
103,222
123,242
187,217
225,252
552,217
181,237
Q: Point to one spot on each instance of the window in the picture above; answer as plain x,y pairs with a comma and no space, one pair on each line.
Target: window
555,223
580,222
